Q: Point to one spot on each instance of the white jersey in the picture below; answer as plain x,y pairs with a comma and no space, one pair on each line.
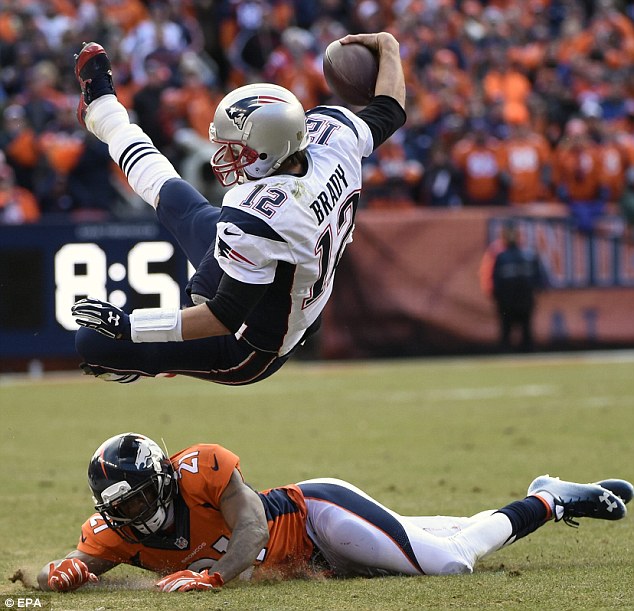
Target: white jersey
289,232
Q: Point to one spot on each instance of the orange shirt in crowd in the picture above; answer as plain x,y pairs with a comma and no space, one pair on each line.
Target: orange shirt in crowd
526,156
615,161
62,150
24,148
481,164
578,169
390,180
194,102
299,75
126,14
508,85
17,205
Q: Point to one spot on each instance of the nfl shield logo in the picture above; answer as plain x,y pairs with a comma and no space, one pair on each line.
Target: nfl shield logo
181,543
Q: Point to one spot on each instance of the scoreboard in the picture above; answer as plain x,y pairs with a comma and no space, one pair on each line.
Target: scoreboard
45,268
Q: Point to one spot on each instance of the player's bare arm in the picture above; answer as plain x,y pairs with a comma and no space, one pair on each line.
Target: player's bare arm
243,512
390,80
221,315
198,322
72,572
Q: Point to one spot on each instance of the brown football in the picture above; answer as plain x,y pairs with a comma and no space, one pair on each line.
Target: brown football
351,72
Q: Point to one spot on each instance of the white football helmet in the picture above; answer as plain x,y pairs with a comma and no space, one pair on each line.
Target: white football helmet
255,128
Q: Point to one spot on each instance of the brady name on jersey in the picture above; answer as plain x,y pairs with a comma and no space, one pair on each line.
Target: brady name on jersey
263,241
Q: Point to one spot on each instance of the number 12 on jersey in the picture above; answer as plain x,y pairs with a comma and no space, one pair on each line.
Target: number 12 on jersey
329,248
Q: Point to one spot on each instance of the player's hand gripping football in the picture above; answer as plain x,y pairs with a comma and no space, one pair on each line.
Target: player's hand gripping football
184,581
103,317
68,575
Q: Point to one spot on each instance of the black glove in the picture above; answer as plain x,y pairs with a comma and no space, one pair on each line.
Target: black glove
103,317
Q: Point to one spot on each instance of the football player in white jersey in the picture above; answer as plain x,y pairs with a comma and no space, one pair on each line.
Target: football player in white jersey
265,262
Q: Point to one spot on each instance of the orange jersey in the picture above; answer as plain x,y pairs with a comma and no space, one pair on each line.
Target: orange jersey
200,535
62,150
511,86
525,160
481,165
615,161
578,170
18,205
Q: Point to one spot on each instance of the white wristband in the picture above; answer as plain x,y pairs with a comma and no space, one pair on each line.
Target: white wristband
156,325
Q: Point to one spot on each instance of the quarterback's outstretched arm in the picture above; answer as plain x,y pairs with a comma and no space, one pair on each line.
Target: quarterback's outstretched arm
222,314
391,79
386,111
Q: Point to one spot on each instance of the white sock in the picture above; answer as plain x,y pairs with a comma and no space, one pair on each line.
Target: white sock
146,169
104,115
548,498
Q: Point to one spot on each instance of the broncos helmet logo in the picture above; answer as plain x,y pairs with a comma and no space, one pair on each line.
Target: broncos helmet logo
147,456
242,109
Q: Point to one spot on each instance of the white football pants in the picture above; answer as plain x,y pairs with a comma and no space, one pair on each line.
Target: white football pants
359,536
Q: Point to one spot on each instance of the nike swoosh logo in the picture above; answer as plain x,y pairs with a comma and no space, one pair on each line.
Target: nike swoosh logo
215,466
227,232
83,539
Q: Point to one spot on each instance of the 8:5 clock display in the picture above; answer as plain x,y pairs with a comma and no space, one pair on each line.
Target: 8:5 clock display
44,269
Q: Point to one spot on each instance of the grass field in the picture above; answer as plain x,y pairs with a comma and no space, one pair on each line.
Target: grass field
424,437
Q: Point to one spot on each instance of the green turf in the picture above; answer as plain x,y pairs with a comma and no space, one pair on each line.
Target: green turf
424,437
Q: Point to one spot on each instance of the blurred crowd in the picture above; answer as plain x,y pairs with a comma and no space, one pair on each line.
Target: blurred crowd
510,102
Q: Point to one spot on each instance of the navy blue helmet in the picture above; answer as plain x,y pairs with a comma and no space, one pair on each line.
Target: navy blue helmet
133,484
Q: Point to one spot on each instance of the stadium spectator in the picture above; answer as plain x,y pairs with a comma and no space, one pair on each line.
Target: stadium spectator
61,144
42,98
617,159
17,205
91,184
462,59
577,176
504,81
158,37
20,145
439,91
527,158
148,107
295,66
389,177
193,520
255,40
440,184
185,110
479,160
124,15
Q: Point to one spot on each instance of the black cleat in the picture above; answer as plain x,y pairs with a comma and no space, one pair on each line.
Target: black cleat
623,489
109,376
94,74
574,500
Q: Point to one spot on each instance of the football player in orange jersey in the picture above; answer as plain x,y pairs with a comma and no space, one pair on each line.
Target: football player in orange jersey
193,520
